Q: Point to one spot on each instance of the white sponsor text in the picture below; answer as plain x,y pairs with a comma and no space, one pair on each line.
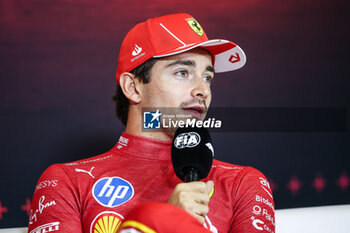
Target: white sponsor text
49,227
42,206
46,183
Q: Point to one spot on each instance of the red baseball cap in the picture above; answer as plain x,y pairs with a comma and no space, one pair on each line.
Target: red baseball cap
173,34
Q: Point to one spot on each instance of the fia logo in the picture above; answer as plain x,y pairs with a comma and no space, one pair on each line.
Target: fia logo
137,50
189,140
112,191
151,120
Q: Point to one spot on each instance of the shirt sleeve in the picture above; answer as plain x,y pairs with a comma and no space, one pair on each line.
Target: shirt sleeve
55,203
254,209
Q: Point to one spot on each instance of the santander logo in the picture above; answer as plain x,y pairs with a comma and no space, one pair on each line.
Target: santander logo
137,50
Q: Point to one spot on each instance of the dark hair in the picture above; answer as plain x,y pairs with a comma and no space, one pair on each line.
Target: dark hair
143,73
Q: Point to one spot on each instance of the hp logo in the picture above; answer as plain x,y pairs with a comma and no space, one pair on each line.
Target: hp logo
112,191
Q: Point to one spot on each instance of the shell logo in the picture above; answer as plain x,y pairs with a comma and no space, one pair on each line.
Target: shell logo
106,222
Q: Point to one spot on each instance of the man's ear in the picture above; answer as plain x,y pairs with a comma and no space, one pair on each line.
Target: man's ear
130,87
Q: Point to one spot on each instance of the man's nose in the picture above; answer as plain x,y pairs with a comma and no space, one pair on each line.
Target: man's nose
201,88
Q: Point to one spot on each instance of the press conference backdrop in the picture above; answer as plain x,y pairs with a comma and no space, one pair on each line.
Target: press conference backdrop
58,60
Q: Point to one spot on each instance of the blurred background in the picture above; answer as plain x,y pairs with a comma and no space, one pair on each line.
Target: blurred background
58,61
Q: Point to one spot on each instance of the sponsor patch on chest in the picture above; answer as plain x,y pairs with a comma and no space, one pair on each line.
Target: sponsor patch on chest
112,191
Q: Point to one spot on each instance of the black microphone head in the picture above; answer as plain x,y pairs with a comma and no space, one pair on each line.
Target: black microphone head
192,149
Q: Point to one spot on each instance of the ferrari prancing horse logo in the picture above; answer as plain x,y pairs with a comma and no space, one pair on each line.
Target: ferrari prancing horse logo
196,27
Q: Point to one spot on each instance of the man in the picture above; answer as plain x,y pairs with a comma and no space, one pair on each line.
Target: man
164,62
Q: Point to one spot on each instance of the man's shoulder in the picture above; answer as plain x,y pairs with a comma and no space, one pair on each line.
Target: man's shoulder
225,166
238,171
243,177
98,159
70,168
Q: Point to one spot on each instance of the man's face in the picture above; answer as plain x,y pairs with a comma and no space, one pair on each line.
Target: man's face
181,81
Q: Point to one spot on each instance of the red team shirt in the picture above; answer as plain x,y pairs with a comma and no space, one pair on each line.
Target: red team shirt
95,194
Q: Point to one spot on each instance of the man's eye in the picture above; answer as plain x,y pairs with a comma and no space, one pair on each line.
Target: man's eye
208,78
182,73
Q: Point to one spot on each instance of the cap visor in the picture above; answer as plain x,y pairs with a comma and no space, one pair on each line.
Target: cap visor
227,56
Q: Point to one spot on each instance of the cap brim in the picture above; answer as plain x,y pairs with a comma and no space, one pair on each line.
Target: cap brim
227,56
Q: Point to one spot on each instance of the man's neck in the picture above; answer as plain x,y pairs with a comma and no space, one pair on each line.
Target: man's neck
155,135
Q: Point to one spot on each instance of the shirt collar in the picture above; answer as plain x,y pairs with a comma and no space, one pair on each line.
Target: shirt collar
144,147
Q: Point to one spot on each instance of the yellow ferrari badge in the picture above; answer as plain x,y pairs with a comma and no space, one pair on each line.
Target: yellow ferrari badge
196,27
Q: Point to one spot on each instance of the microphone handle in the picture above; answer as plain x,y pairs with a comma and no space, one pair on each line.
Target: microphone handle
191,174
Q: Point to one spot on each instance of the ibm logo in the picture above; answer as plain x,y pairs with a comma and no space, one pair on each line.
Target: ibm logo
112,191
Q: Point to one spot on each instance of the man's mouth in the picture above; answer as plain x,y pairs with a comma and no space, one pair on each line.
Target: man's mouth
196,110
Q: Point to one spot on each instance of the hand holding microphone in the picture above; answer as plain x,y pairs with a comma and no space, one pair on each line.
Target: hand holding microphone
192,156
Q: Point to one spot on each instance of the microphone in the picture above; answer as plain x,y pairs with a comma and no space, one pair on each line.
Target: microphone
192,153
